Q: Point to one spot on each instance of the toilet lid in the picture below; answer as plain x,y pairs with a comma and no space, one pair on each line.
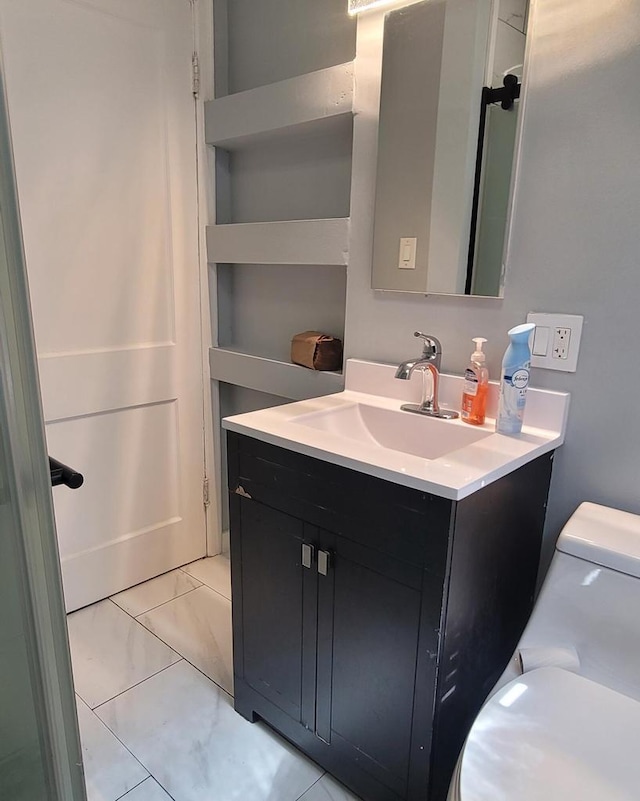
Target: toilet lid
551,735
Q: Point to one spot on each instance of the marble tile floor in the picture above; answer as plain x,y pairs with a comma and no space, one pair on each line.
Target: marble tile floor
153,675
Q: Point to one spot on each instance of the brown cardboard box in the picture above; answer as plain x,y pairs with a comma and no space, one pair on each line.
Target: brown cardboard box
317,351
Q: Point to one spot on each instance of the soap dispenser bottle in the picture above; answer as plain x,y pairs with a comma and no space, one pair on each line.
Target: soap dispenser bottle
514,380
476,386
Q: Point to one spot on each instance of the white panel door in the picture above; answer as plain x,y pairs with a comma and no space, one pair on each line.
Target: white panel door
102,117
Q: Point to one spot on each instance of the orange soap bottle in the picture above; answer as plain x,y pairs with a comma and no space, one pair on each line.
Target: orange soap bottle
476,386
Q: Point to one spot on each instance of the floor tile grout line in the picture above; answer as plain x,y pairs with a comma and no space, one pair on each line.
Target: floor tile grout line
213,681
204,582
144,627
131,789
217,592
188,661
313,784
182,656
126,748
213,589
86,703
138,683
159,783
208,678
226,597
148,581
134,586
150,776
157,606
178,597
124,745
182,570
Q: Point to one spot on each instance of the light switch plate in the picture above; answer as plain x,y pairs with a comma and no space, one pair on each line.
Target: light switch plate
407,254
556,340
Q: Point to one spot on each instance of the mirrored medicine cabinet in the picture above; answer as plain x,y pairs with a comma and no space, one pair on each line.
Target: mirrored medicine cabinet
450,96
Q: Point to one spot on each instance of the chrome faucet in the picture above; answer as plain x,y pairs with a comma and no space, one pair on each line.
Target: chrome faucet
428,364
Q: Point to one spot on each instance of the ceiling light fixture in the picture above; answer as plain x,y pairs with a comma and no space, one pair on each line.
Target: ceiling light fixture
356,6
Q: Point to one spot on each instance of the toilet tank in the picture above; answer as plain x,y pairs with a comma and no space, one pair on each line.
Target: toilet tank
590,601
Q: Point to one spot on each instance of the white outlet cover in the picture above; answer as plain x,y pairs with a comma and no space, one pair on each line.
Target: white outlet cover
544,337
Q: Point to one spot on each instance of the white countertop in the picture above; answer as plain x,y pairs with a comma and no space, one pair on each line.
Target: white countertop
455,475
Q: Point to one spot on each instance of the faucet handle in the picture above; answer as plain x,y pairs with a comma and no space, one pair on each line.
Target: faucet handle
431,344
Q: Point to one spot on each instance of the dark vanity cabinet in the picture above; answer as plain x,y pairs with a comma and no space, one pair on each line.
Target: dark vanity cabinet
371,620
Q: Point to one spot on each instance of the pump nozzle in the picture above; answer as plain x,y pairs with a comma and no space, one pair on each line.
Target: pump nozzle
478,355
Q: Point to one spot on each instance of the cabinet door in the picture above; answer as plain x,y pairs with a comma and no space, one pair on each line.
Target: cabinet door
274,607
368,624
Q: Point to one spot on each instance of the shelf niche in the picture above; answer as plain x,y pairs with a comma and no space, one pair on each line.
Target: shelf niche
258,43
304,174
260,307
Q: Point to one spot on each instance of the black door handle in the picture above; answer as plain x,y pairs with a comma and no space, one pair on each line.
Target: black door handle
61,474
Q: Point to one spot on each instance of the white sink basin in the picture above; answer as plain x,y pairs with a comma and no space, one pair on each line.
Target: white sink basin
394,429
364,429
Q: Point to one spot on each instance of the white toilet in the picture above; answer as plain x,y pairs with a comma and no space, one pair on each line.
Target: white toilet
563,723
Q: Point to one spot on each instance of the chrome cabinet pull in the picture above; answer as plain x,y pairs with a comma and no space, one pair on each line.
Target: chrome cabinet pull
307,555
324,562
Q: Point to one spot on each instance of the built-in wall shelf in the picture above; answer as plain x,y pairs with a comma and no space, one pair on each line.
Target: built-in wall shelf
275,377
280,133
234,120
287,242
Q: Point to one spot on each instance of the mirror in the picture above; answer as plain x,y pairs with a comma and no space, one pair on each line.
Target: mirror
451,83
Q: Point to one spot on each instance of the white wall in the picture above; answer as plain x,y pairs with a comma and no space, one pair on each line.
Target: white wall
575,242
